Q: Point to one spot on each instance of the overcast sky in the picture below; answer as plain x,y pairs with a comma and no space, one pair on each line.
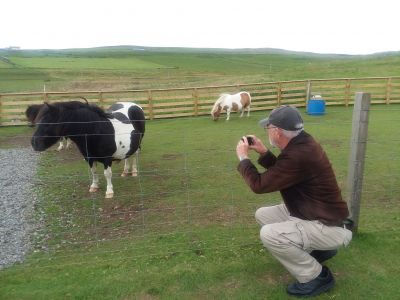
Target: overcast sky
321,26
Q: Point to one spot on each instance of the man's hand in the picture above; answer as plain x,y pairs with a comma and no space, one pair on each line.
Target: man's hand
242,148
258,146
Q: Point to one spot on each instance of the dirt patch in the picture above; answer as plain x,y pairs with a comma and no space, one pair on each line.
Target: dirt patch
144,296
273,279
115,211
15,142
116,219
171,156
67,155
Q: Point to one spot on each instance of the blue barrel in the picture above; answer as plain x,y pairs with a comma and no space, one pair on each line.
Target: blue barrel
316,107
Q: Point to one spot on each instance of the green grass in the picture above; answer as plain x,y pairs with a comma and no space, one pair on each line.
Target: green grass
77,63
126,68
185,229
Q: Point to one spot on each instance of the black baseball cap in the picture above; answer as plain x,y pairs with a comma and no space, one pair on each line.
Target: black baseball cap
285,117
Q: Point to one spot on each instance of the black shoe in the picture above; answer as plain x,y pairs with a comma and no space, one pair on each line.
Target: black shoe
323,255
321,284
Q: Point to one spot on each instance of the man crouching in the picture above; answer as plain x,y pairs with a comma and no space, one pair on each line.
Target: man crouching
309,226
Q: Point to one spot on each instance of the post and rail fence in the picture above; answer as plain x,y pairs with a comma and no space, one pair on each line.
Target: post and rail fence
197,101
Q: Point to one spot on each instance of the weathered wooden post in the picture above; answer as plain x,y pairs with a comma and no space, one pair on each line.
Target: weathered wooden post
347,92
388,90
357,154
101,104
150,102
309,91
279,94
195,96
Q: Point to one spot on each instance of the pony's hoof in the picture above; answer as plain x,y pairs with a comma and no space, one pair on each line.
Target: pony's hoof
109,195
124,174
93,189
134,174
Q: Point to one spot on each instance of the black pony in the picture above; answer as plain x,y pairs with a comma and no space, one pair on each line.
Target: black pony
100,136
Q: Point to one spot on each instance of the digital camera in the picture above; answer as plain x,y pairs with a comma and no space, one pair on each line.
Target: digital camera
250,140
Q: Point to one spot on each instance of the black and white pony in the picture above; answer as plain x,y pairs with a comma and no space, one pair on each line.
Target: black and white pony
100,136
31,114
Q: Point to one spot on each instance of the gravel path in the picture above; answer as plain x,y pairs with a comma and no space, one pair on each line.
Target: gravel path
17,200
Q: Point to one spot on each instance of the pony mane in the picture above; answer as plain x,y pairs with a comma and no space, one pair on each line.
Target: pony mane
77,105
71,110
221,98
218,102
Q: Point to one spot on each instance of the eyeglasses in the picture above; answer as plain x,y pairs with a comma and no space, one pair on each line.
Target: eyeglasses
269,127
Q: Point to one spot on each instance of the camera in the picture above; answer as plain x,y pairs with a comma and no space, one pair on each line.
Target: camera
250,140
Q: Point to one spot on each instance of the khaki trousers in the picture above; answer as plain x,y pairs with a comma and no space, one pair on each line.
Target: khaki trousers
290,240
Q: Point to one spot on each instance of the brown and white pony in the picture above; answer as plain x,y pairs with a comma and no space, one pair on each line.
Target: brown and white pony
236,102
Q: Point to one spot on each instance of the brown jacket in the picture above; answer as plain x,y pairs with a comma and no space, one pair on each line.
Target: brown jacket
305,178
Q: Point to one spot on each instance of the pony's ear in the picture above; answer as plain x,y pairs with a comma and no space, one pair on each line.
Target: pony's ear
53,109
87,103
50,107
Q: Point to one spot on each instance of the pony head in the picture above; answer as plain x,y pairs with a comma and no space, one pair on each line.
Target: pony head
216,112
47,129
218,107
32,112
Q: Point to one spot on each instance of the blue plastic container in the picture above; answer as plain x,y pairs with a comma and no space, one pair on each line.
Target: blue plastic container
316,107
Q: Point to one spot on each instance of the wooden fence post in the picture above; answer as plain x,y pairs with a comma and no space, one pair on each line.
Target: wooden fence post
388,90
308,94
279,94
195,95
150,100
357,154
347,93
101,100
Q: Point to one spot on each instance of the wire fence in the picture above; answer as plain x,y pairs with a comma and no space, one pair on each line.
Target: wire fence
188,196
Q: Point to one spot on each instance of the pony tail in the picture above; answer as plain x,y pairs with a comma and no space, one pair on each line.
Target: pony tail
138,119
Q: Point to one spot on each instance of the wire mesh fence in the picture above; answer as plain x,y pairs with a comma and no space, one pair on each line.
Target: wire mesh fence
188,196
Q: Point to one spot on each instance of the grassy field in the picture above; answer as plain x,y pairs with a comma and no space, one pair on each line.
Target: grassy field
150,68
184,229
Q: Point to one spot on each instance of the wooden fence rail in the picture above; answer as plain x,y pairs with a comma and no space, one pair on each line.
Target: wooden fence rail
196,101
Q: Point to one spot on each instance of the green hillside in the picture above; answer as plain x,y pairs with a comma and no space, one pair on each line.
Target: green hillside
128,67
